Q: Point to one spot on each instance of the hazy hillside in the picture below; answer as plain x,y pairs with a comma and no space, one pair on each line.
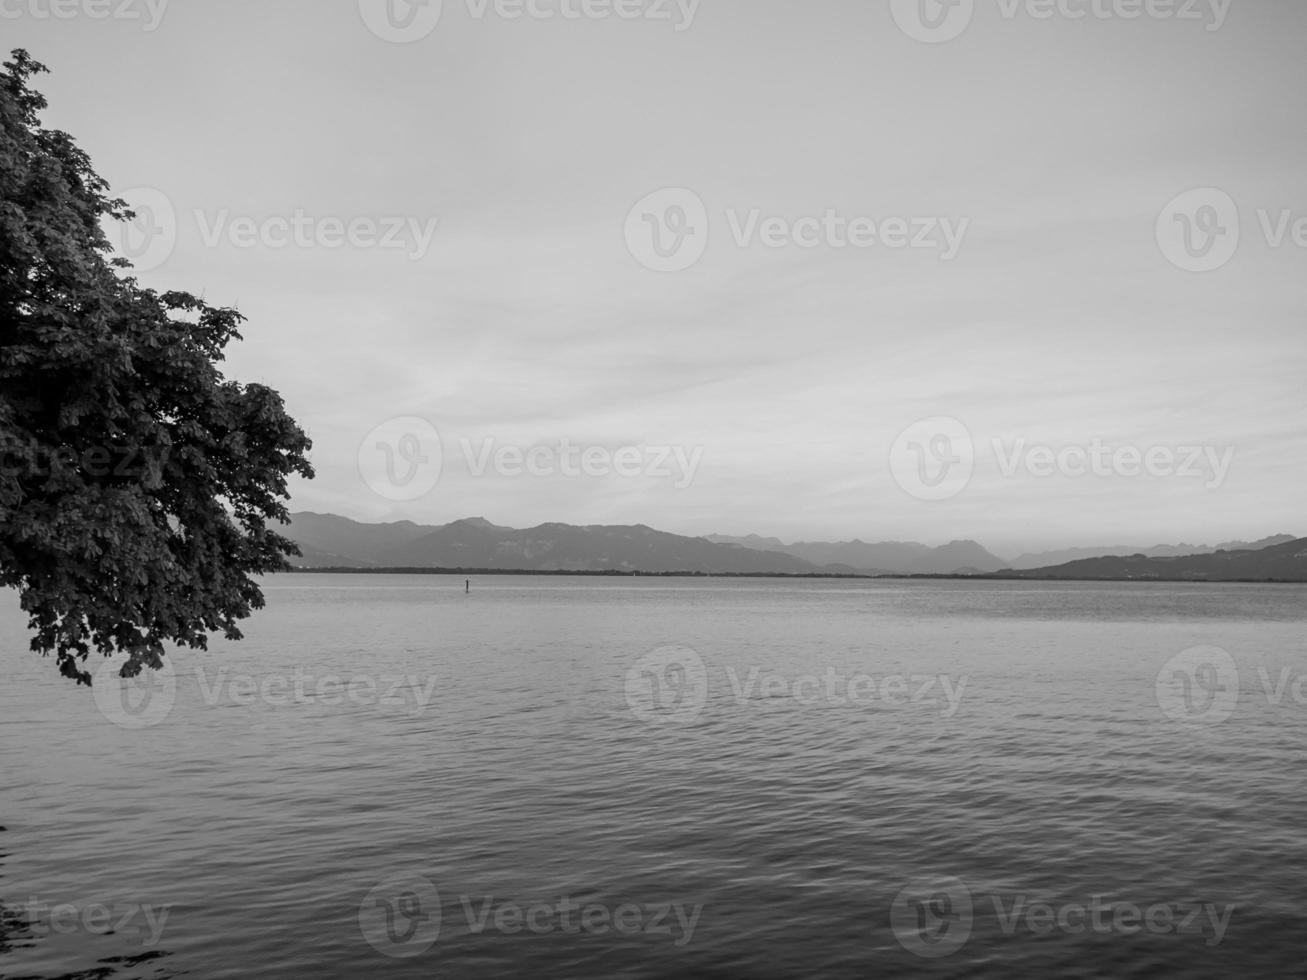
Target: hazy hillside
329,541
1048,558
360,544
885,558
336,541
1283,562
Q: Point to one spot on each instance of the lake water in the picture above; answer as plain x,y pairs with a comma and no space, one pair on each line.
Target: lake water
638,778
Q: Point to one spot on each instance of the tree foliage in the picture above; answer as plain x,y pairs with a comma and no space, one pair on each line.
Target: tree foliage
137,484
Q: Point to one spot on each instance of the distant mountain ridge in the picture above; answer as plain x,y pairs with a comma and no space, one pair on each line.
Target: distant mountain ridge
1285,562
1048,558
883,558
329,541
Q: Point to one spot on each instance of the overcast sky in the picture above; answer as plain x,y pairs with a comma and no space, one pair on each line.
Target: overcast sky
983,251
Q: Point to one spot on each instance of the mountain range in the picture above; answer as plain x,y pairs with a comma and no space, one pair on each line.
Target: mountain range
1044,559
329,541
1285,562
885,558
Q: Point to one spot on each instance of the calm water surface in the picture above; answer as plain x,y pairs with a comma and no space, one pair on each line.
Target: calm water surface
557,777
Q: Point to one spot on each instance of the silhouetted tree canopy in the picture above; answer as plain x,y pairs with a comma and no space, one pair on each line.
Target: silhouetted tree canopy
136,482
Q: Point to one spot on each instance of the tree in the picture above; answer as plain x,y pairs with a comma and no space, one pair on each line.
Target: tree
136,483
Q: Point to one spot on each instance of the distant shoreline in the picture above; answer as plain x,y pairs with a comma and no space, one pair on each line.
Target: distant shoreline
831,576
